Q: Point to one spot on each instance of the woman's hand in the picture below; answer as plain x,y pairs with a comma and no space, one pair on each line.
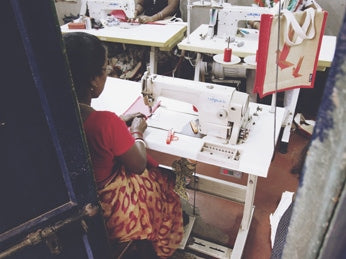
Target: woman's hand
135,159
145,19
138,125
128,118
134,19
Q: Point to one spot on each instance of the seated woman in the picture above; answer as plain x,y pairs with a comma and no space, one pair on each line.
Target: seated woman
138,203
153,10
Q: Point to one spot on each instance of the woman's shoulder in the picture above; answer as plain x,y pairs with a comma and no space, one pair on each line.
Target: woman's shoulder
104,121
104,115
90,114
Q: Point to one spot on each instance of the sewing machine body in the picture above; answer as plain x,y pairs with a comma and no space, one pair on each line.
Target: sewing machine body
224,18
230,15
222,111
99,9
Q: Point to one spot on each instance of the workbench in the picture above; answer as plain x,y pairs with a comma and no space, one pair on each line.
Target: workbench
255,153
216,45
158,36
247,46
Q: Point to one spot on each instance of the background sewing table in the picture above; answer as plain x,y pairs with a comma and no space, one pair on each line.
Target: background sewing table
249,45
157,36
216,45
255,158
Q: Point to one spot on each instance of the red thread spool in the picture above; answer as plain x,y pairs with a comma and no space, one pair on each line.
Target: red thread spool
227,55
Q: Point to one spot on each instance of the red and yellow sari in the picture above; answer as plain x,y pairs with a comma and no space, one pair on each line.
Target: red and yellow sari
135,206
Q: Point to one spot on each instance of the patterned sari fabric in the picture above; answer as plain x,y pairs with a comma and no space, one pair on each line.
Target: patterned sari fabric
134,206
143,207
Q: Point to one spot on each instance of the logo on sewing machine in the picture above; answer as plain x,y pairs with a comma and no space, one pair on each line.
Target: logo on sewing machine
215,100
253,14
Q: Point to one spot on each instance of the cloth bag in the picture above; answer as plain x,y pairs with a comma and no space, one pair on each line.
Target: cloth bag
296,54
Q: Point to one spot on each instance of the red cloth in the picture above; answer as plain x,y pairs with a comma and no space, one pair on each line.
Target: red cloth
107,137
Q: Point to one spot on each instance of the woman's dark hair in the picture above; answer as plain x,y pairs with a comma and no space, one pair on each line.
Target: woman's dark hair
86,56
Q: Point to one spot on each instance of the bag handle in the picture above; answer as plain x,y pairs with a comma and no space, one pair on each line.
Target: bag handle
296,5
313,4
302,32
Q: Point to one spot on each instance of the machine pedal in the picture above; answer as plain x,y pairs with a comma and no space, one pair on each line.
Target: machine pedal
209,248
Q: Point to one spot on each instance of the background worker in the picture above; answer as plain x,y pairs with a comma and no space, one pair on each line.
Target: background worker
154,10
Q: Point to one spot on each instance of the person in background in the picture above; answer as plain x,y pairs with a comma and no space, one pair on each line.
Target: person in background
137,199
153,10
130,61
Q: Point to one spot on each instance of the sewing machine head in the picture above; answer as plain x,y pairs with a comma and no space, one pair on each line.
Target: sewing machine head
229,17
223,111
100,9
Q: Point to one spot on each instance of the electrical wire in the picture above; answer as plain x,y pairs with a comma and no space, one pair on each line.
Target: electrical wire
276,74
194,192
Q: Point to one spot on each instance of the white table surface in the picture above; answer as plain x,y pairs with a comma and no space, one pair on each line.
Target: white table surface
216,45
163,36
256,152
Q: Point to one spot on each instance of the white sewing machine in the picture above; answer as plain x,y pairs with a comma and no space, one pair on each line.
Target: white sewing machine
99,9
224,18
119,95
230,16
223,113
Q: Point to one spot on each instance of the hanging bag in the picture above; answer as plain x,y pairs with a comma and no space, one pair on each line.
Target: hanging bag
297,53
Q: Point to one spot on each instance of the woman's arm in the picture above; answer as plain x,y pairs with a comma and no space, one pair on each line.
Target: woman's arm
128,118
139,8
135,159
169,10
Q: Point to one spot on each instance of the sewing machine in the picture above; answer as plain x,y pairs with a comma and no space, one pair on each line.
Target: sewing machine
230,16
225,21
223,114
224,18
99,9
118,95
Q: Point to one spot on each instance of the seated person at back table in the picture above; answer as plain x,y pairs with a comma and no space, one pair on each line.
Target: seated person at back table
154,10
137,199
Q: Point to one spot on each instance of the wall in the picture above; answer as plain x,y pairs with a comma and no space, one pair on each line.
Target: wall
67,8
335,8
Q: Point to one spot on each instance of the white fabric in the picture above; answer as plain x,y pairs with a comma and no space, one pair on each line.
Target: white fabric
274,218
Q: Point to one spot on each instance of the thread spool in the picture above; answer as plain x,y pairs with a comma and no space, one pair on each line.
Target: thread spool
227,55
88,23
227,52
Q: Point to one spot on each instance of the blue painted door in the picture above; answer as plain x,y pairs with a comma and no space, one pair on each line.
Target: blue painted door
46,179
